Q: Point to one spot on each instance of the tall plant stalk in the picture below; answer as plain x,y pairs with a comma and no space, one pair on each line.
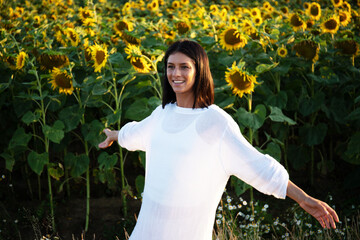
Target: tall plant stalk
46,141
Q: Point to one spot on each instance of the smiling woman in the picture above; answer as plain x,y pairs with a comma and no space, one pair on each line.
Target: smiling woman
192,148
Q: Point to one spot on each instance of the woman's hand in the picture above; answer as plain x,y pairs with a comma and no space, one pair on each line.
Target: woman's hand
318,209
111,136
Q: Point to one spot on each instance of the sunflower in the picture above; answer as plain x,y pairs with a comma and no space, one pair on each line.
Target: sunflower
214,10
153,5
247,26
266,5
284,10
232,39
60,36
50,61
337,3
296,22
175,4
309,23
344,18
130,39
182,27
348,47
282,51
223,14
122,25
20,60
99,55
314,11
331,25
255,12
37,21
240,81
140,64
132,51
62,80
89,22
233,20
126,8
306,5
85,13
307,49
73,36
184,2
346,6
257,20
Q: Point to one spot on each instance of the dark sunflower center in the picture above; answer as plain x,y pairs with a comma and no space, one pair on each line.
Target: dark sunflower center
63,81
138,63
130,39
257,20
122,25
100,56
330,24
284,10
73,36
50,61
231,37
86,14
306,49
343,17
347,47
296,21
182,27
240,81
314,10
282,52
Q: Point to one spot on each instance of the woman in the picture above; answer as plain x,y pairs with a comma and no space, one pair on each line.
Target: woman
192,148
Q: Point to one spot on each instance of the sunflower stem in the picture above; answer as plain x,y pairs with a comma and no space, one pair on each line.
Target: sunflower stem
47,143
251,141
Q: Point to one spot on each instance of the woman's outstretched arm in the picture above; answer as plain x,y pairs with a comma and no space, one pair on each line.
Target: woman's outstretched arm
318,209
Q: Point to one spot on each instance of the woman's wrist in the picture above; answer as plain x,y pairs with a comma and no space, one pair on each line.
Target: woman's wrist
296,193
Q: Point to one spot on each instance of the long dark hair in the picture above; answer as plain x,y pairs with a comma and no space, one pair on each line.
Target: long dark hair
204,85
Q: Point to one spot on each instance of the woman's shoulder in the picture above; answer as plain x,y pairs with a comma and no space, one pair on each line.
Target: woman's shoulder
220,113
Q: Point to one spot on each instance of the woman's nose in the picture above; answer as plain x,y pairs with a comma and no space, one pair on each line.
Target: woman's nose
176,71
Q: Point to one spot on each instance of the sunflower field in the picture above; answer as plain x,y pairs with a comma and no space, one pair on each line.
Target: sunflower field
287,71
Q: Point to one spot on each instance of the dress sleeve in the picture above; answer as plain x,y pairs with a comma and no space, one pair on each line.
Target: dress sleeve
134,135
259,170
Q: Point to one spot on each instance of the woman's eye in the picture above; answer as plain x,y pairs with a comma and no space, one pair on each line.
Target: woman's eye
184,67
170,67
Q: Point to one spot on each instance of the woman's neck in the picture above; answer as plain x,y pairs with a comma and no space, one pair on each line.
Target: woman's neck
185,101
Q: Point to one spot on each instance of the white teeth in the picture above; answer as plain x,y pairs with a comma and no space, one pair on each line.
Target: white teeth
177,82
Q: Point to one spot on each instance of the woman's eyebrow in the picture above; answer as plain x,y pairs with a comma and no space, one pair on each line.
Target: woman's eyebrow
183,63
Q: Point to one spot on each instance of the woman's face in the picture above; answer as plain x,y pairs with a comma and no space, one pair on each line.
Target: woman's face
181,74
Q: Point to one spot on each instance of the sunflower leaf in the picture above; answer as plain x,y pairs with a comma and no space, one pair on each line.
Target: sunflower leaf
56,170
19,139
54,133
265,68
37,161
277,115
79,165
71,117
106,161
253,120
140,183
9,161
31,117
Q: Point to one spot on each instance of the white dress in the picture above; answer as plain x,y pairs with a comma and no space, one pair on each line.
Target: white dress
190,155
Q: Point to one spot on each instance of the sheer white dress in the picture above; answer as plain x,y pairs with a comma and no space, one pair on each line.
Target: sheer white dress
190,155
